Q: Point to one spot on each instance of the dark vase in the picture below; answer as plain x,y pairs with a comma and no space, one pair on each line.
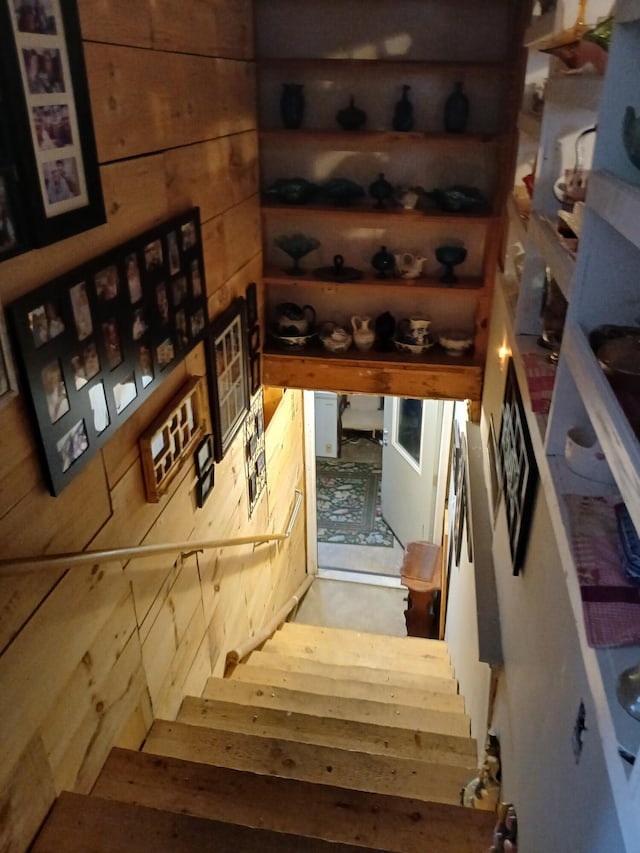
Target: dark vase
381,190
292,105
385,328
383,261
351,117
403,112
456,111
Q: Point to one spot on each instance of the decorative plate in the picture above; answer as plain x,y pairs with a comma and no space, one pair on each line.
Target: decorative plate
291,341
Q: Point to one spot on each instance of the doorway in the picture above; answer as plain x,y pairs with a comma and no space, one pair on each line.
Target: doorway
380,466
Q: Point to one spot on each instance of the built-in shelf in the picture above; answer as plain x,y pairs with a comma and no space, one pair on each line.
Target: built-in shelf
276,275
372,140
366,215
617,438
560,260
333,64
374,372
617,202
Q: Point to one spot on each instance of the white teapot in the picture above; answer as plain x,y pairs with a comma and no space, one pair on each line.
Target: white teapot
409,265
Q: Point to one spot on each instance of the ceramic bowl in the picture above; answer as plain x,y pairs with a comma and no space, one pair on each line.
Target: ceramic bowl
334,338
414,349
455,341
584,456
291,341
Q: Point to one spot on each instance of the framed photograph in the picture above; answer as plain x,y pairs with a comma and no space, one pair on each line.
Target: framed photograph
45,100
255,459
518,467
94,343
205,485
168,443
461,499
204,455
227,373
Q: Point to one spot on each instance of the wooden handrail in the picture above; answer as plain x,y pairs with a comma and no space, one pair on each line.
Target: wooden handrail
243,649
12,566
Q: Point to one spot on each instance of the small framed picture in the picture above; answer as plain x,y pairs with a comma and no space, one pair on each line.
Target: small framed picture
205,486
204,455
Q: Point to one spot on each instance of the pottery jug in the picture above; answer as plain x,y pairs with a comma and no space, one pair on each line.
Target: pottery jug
292,105
294,320
403,112
385,328
456,111
409,265
363,334
383,261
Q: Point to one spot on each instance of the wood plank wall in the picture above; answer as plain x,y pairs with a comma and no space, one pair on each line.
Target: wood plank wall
88,657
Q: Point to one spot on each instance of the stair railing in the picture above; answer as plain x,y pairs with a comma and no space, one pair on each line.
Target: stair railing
12,566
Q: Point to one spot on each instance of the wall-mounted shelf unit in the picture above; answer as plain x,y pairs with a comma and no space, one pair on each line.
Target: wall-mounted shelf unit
601,286
370,51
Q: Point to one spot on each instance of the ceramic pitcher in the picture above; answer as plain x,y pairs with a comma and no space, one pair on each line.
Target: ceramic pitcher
363,334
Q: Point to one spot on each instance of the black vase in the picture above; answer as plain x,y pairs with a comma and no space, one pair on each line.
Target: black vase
292,105
456,111
403,112
384,262
381,190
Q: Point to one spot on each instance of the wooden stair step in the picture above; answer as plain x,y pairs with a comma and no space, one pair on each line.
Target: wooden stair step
375,659
366,675
344,768
329,731
337,707
83,824
364,640
350,817
337,686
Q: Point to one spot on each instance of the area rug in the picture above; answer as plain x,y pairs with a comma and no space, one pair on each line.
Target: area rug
348,504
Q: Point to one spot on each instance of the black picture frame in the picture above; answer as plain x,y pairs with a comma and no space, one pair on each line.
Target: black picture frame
93,344
495,475
518,468
205,486
51,148
203,455
227,373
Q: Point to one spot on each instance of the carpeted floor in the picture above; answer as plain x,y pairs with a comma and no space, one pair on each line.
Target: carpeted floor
348,504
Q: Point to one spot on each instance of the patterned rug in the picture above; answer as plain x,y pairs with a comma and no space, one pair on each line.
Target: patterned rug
348,504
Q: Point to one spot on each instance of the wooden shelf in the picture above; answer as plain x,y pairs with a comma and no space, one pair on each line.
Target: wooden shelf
367,215
371,140
275,275
317,64
560,260
433,375
618,440
617,202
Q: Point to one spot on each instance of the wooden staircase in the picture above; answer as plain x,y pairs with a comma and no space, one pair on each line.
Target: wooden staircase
325,740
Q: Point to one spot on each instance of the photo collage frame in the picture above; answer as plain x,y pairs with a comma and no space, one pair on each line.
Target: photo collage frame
94,343
49,175
255,459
